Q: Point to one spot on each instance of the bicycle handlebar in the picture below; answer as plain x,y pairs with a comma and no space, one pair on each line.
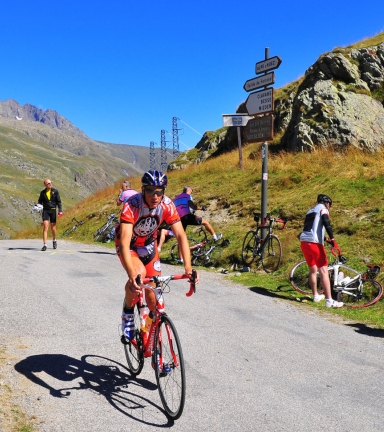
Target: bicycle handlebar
159,279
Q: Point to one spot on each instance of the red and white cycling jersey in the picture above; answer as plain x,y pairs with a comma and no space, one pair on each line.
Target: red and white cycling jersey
146,221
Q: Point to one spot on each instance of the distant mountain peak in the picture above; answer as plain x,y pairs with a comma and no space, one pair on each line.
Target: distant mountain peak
13,110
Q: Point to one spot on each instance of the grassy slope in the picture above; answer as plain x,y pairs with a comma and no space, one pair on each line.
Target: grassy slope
353,179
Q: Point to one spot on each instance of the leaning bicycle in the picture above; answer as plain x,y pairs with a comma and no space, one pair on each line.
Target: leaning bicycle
73,228
355,289
161,343
107,232
204,251
267,252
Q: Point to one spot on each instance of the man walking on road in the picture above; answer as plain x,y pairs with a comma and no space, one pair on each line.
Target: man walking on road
50,199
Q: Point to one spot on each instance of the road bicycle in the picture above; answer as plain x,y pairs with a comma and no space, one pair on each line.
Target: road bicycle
203,252
107,232
355,289
161,343
267,252
69,231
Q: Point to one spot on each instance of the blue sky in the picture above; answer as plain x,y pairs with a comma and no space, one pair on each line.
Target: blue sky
120,70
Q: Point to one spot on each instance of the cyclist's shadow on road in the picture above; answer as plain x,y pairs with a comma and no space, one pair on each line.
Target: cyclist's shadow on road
95,373
366,330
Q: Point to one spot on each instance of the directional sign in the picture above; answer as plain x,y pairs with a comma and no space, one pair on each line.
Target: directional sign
259,129
235,119
260,102
268,64
261,81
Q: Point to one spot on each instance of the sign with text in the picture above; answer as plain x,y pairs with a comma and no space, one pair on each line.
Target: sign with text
268,64
260,102
235,119
259,129
261,81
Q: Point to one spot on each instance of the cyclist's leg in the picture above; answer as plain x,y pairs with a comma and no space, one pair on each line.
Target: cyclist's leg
317,261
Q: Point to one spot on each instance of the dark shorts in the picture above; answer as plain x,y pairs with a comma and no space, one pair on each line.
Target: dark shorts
190,219
49,215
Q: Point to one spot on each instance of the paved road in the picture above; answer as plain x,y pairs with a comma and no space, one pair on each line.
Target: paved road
253,362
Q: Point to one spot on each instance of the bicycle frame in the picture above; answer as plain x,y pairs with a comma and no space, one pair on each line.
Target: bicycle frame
345,287
266,224
160,282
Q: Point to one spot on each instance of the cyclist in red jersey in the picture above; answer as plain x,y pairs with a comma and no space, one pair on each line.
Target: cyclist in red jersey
136,240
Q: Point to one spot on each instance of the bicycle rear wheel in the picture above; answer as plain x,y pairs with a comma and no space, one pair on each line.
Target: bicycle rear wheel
298,278
175,249
134,349
168,355
371,292
271,254
248,252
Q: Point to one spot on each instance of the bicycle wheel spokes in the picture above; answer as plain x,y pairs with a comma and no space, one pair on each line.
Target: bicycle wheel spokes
134,349
271,254
248,252
370,292
169,368
299,279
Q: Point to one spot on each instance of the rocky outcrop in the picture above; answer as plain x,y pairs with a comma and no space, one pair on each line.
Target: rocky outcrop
338,103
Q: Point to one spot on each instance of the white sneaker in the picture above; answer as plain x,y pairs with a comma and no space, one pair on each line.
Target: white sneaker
333,304
317,298
217,237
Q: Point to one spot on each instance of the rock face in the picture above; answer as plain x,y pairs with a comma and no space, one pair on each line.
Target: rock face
338,103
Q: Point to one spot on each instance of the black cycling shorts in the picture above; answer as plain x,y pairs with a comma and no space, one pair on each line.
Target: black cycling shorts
49,215
190,219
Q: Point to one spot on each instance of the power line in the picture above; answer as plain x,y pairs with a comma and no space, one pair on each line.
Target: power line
191,127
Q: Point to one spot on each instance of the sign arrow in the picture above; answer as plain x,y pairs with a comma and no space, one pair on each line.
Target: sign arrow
268,64
261,81
260,102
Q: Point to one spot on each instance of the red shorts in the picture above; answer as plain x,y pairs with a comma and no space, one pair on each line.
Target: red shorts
314,254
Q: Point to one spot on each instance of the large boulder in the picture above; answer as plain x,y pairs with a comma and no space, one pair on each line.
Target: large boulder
334,104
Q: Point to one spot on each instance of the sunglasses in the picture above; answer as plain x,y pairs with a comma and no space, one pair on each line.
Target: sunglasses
46,184
153,192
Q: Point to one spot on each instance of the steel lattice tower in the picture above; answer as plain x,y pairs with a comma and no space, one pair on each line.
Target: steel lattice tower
164,164
152,155
175,138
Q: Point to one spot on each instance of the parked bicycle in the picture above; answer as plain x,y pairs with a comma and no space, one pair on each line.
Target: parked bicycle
355,289
266,252
107,232
71,230
203,252
161,343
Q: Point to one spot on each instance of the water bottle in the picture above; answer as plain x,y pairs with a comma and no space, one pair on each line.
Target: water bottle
346,280
160,300
148,322
143,317
340,277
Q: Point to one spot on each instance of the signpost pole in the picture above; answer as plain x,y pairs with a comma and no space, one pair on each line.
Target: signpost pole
264,177
240,148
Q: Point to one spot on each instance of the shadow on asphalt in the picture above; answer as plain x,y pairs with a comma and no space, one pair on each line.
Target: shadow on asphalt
21,248
275,292
98,252
99,374
366,330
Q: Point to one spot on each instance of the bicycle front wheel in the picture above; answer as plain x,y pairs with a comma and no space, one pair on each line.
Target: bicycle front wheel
298,278
169,368
365,294
248,252
134,349
271,254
